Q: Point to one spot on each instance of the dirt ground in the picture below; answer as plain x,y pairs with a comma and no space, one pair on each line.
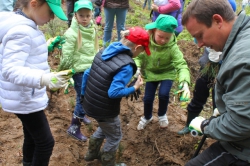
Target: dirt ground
150,147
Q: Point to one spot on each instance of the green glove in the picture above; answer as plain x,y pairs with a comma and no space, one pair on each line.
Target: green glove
195,126
56,80
184,90
70,83
55,42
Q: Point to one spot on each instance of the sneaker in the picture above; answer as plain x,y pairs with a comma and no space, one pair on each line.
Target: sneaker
163,120
86,120
143,122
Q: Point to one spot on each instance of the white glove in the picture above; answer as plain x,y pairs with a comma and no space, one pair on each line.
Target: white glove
216,112
54,80
214,56
138,72
195,125
185,96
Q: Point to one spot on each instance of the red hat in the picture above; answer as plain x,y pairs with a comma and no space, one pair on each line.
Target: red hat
139,36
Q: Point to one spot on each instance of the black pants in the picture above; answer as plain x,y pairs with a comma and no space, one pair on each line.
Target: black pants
200,94
70,10
216,155
38,140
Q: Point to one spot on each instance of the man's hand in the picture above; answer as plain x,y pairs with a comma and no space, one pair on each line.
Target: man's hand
195,126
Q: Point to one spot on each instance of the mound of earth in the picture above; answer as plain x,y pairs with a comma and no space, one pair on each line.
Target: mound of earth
150,147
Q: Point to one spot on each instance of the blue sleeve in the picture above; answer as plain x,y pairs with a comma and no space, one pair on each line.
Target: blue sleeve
84,81
118,87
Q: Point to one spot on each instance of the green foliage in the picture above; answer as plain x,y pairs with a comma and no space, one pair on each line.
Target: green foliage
55,27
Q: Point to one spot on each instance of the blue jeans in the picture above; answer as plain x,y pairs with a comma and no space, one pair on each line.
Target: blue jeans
109,129
79,112
7,5
110,15
38,140
163,95
97,12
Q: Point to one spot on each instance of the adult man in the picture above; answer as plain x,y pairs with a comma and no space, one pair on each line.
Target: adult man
203,84
214,24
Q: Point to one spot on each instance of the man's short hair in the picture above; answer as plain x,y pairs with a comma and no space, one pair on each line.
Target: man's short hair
203,11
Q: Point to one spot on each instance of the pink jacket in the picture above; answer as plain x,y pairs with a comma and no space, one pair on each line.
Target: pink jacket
171,6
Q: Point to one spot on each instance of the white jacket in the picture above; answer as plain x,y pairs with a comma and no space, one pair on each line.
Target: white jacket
23,60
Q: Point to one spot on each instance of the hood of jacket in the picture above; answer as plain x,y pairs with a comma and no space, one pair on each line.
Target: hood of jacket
6,19
114,49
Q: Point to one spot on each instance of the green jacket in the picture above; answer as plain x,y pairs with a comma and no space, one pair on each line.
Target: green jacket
232,127
164,63
80,59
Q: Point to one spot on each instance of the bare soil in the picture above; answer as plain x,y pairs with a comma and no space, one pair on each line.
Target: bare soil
150,147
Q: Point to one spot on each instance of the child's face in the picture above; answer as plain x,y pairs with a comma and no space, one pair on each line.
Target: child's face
84,16
39,13
161,37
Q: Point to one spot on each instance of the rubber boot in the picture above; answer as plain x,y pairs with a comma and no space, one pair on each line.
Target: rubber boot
74,129
93,149
190,117
27,163
108,159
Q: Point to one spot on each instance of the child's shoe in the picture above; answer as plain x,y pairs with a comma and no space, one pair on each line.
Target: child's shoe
163,120
143,122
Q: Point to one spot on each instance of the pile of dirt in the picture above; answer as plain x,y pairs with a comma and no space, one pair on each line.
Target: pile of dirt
150,147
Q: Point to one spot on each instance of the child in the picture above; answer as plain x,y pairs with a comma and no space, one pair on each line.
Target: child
25,73
173,8
78,51
107,79
161,69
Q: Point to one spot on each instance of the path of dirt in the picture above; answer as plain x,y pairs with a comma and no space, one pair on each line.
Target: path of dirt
150,147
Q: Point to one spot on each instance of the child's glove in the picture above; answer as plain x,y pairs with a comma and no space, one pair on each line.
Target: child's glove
195,126
55,42
138,72
136,93
136,83
56,80
69,84
184,90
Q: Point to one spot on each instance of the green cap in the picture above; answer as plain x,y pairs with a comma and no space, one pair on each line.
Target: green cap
55,6
164,23
83,4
